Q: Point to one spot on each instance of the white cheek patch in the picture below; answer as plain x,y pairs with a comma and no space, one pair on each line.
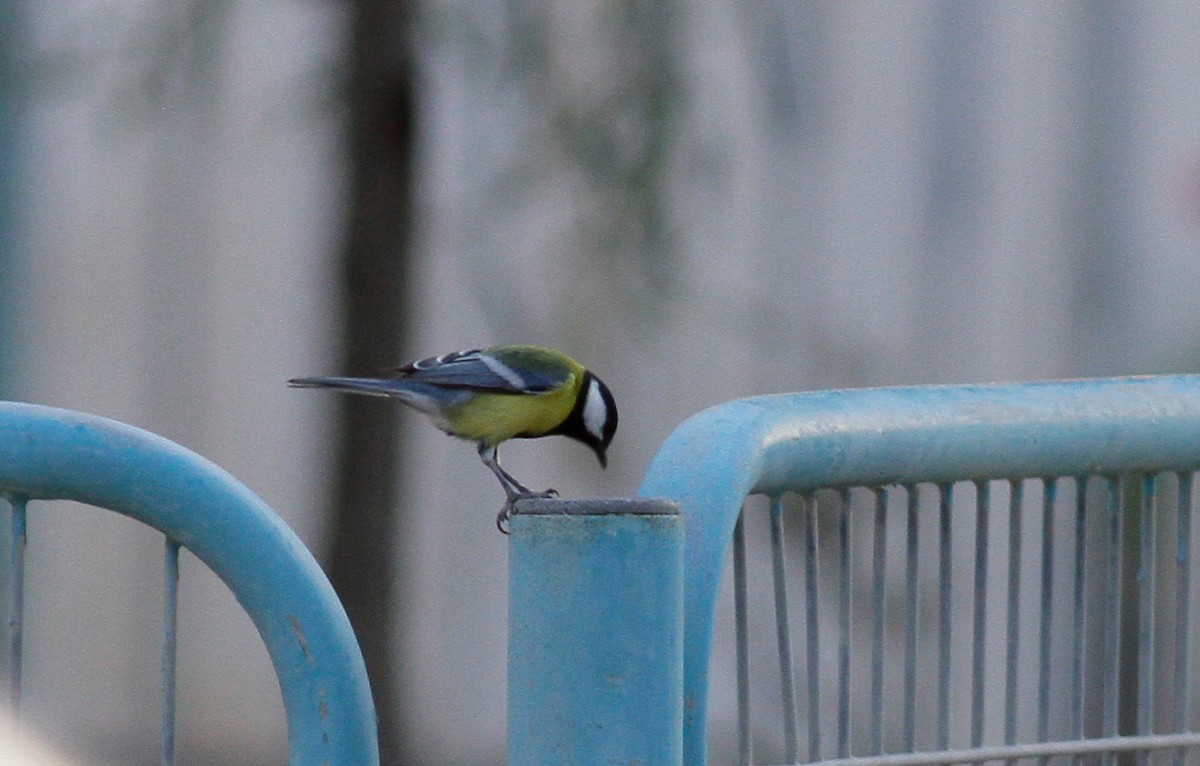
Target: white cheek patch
594,411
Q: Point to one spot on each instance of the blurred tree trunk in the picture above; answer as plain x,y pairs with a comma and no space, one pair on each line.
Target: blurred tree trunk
380,135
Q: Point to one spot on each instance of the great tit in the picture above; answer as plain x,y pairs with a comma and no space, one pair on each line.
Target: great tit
495,394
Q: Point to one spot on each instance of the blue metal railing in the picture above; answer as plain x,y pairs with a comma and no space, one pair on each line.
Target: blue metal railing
893,440
48,454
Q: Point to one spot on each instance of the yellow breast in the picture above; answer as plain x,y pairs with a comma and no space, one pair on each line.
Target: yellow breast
493,418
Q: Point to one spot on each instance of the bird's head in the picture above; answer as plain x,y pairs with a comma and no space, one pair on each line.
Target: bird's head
595,417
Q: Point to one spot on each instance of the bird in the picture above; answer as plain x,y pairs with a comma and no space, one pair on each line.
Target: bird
491,395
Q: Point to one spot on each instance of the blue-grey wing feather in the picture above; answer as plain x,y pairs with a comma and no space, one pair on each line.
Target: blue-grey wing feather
472,370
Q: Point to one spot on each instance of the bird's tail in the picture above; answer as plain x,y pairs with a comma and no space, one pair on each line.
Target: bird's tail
373,386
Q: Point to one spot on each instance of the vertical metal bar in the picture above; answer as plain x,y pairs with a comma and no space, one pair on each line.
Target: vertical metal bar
741,623
16,584
1049,492
783,631
812,627
1112,611
945,571
1013,638
1183,600
170,622
844,606
983,501
1146,592
877,583
1077,637
911,606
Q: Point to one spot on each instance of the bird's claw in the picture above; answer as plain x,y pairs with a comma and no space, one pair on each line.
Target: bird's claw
510,506
502,517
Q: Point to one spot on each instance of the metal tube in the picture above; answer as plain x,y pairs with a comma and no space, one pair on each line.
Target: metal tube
812,627
879,545
945,572
1013,638
1078,640
911,606
16,620
1112,608
742,642
595,645
58,454
983,501
1183,601
844,606
1147,578
783,632
1041,750
170,623
1049,491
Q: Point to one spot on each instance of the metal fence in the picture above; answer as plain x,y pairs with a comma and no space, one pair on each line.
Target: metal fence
982,573
1026,547
51,454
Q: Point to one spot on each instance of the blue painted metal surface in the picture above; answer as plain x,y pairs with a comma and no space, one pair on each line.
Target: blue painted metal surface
595,667
876,437
170,648
16,597
47,453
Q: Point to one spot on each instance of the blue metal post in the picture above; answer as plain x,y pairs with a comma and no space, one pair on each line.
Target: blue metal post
595,645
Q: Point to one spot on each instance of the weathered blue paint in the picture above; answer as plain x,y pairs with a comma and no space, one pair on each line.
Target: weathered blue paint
875,437
48,453
595,648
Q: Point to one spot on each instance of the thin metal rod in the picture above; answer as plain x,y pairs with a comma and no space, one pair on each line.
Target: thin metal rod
1041,750
1013,637
983,501
16,584
1079,612
1049,492
1183,601
879,545
945,571
169,662
1112,610
741,621
911,606
844,606
812,626
1147,567
783,631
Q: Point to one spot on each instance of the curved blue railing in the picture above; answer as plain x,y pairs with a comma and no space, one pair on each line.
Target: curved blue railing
48,453
875,437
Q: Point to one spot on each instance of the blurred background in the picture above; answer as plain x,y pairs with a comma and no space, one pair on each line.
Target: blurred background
200,199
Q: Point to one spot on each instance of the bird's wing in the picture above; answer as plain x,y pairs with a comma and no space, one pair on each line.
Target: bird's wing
480,371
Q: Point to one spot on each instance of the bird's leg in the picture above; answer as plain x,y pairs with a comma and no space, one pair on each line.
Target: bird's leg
513,489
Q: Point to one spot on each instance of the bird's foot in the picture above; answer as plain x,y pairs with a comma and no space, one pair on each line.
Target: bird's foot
510,506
